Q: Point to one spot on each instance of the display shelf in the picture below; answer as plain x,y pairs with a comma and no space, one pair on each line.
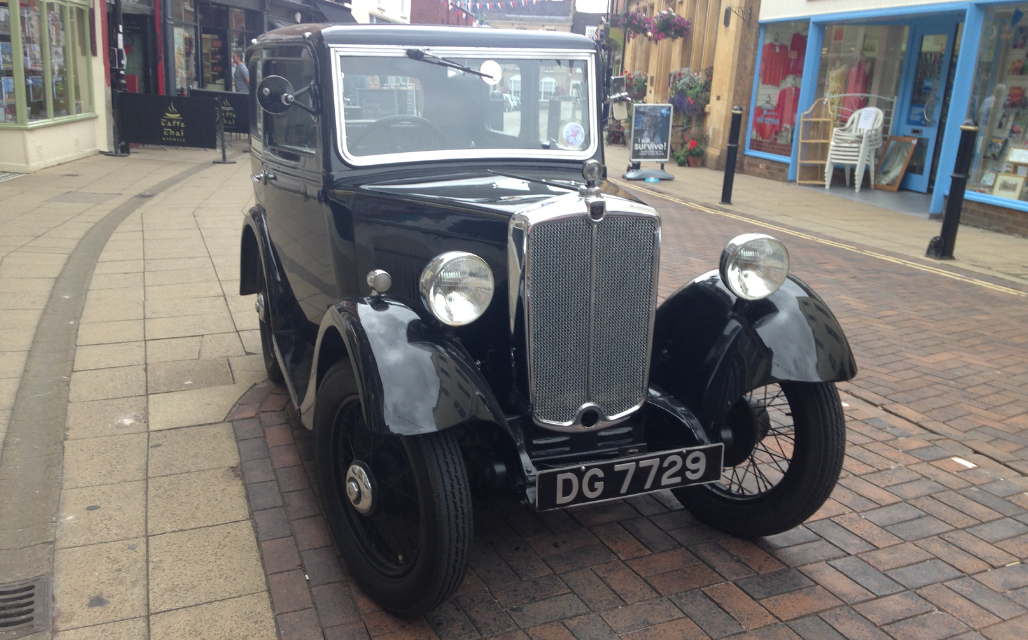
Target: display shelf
815,133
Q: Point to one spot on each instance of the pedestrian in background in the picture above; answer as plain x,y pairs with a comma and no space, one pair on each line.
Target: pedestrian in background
240,74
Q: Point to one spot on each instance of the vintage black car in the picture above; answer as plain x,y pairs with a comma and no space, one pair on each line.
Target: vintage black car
460,303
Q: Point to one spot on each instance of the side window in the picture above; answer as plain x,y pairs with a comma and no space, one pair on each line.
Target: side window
295,131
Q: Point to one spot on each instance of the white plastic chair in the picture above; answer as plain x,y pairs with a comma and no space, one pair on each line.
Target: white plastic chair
851,145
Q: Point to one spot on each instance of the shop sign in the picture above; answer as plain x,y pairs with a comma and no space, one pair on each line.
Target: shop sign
170,121
651,132
235,108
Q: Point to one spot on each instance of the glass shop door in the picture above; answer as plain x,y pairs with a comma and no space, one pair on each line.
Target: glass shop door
922,94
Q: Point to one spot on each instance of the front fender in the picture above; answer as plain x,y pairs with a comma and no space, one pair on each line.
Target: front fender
413,378
710,347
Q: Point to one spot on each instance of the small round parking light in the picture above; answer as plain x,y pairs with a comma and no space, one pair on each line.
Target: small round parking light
457,287
592,171
754,265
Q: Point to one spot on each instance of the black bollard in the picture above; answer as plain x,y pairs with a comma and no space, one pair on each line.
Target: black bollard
941,246
733,151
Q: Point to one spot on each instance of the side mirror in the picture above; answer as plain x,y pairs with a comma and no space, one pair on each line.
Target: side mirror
275,94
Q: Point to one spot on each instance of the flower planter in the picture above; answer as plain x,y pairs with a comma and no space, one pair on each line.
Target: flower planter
695,161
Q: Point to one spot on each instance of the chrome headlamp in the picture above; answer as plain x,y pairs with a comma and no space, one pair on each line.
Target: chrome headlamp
754,265
457,287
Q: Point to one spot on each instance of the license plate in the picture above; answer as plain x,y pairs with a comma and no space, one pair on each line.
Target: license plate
613,479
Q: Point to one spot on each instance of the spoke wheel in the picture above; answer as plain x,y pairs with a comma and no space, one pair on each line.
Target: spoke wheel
389,534
793,439
398,507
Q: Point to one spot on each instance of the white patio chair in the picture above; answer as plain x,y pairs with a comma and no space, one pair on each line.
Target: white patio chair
852,145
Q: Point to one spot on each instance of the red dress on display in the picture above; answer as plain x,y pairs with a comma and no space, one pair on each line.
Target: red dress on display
857,83
788,99
799,47
774,64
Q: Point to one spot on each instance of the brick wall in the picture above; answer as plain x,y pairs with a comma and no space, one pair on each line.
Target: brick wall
763,168
437,12
993,218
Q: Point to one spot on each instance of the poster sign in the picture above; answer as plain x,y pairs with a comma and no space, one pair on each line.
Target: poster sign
234,106
651,133
171,121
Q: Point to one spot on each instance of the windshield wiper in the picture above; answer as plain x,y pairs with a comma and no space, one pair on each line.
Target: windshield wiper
424,56
548,183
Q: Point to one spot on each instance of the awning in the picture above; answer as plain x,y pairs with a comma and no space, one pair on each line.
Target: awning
334,12
278,23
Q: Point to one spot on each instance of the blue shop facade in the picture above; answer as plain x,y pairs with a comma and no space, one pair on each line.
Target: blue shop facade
929,66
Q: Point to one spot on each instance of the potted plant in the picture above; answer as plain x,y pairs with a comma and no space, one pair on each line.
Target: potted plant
693,147
667,25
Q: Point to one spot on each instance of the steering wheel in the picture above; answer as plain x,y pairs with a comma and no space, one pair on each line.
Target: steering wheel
399,134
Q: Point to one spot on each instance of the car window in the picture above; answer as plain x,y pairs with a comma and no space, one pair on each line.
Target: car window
294,131
395,107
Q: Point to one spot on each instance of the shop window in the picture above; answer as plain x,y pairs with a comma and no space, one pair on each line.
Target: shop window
861,67
55,67
778,87
999,104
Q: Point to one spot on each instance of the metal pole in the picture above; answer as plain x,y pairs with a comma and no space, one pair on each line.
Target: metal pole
733,151
941,246
118,85
221,133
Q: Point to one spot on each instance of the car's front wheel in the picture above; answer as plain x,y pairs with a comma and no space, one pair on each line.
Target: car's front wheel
399,507
790,440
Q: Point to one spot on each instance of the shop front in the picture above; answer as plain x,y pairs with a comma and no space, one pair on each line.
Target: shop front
927,67
47,68
205,37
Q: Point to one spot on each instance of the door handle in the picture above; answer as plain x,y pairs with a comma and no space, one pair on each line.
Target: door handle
264,176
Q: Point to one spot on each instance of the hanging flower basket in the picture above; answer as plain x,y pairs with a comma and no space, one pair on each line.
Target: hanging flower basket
690,92
668,25
633,22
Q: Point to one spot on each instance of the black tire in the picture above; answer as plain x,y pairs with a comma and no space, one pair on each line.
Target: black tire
267,346
427,570
760,497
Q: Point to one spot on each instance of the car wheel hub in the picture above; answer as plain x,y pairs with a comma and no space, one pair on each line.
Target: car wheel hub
360,487
749,423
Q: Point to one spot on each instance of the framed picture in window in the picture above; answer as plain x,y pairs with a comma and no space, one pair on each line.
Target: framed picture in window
1008,185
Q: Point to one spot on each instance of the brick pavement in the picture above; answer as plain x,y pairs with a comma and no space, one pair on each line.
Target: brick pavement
924,537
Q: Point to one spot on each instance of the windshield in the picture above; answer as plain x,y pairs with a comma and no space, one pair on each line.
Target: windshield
398,108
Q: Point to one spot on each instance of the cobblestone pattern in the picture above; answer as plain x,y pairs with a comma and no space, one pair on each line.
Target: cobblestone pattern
912,544
924,537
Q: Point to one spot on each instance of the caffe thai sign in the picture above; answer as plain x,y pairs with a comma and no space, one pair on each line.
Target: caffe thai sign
235,108
170,121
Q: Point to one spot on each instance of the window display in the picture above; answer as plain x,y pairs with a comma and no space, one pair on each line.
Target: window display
861,66
8,106
32,56
46,76
999,104
778,88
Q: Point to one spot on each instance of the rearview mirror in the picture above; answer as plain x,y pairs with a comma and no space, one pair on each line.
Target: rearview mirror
275,94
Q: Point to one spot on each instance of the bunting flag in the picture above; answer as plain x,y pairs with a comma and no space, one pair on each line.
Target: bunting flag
463,6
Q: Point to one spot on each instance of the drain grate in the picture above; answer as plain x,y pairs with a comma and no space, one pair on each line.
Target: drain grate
24,608
6,175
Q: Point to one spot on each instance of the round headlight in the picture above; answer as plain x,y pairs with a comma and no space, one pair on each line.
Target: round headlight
457,287
754,265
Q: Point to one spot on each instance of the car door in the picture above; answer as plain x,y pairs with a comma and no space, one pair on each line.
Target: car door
292,178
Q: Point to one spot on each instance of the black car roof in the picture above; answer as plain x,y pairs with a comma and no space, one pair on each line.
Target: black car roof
430,36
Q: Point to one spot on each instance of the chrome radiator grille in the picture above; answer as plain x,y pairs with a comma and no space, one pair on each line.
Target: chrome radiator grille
590,290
